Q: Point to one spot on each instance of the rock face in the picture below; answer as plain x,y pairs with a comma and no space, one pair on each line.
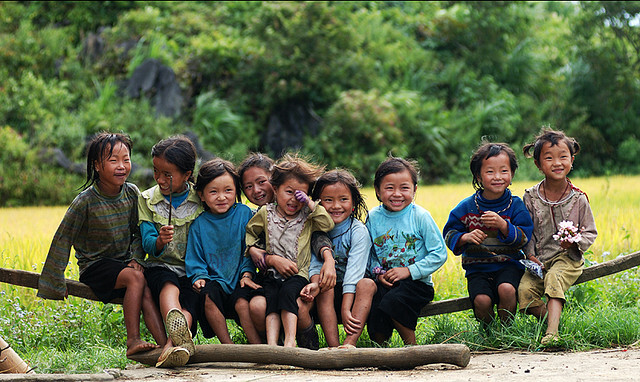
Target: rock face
157,81
288,125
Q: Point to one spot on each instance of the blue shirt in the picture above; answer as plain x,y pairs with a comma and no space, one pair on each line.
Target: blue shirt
407,238
351,247
215,248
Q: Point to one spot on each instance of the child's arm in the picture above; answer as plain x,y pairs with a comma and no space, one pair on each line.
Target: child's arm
350,324
436,251
358,258
587,222
246,280
321,246
311,290
302,197
455,232
195,262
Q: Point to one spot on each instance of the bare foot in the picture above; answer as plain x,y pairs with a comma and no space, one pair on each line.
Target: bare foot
138,345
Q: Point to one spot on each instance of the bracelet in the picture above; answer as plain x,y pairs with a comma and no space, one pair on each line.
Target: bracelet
247,276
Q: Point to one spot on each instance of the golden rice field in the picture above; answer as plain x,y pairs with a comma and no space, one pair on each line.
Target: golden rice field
25,233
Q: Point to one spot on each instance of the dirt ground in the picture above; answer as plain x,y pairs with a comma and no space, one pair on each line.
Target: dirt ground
604,365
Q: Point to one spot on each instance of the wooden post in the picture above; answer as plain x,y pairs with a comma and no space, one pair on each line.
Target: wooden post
10,361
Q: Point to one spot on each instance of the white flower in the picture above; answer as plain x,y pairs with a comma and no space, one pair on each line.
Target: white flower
568,233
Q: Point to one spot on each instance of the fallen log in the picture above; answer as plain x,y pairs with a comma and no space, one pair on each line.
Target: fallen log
75,288
387,358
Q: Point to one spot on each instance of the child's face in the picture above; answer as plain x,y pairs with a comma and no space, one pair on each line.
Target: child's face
555,161
114,169
396,190
256,186
336,199
288,206
164,171
219,194
495,175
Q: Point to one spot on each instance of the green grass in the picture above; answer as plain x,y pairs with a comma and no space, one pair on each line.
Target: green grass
80,336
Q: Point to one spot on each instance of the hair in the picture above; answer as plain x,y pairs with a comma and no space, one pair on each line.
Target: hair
345,177
99,148
393,165
292,165
256,160
179,151
486,151
554,137
214,168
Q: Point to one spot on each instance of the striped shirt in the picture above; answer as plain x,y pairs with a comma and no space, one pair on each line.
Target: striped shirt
97,226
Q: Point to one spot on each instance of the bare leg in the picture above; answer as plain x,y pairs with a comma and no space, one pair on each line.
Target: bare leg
217,321
554,305
483,308
408,335
258,311
289,323
273,328
508,302
134,283
328,317
365,289
153,318
242,308
170,299
303,318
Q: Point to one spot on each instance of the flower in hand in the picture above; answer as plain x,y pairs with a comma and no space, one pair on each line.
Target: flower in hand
379,271
568,233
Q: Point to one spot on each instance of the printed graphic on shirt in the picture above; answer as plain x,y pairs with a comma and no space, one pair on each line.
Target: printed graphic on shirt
396,249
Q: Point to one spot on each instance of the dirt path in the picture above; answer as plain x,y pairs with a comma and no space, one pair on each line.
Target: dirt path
604,365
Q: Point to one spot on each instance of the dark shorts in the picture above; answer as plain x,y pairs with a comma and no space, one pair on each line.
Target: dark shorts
402,303
487,282
101,277
157,277
283,295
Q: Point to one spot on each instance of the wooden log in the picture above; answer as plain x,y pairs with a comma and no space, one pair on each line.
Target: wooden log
387,358
593,272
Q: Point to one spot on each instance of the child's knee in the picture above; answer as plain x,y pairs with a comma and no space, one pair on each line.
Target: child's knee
506,290
366,286
482,302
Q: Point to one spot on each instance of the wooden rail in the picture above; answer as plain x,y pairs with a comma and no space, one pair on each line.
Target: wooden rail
78,289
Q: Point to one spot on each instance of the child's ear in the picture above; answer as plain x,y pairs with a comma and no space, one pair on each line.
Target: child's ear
200,195
537,164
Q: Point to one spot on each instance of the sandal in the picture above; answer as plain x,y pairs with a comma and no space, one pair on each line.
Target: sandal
178,330
173,357
346,346
550,339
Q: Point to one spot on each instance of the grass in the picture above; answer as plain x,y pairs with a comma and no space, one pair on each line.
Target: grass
79,336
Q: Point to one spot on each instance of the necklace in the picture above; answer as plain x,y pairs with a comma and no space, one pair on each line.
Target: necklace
560,200
475,199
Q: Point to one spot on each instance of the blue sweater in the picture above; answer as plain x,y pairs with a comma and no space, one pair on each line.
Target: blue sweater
215,248
497,250
351,247
408,238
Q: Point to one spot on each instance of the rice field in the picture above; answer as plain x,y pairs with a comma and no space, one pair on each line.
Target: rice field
26,233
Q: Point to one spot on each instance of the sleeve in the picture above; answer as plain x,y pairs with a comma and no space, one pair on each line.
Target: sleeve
358,258
436,251
321,219
530,248
51,284
246,264
315,266
520,226
373,256
256,228
588,224
453,231
149,237
319,240
194,261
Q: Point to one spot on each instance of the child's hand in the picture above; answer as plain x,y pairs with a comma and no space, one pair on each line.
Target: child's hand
394,275
199,284
285,267
302,197
309,292
566,244
135,265
351,324
535,260
328,272
165,235
247,281
476,236
493,220
384,281
258,257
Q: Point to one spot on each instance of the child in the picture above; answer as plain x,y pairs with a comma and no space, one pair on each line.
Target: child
255,172
101,225
407,249
488,229
166,211
286,227
215,253
338,192
550,203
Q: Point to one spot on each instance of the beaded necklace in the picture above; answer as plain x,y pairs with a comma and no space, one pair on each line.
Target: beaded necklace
475,199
